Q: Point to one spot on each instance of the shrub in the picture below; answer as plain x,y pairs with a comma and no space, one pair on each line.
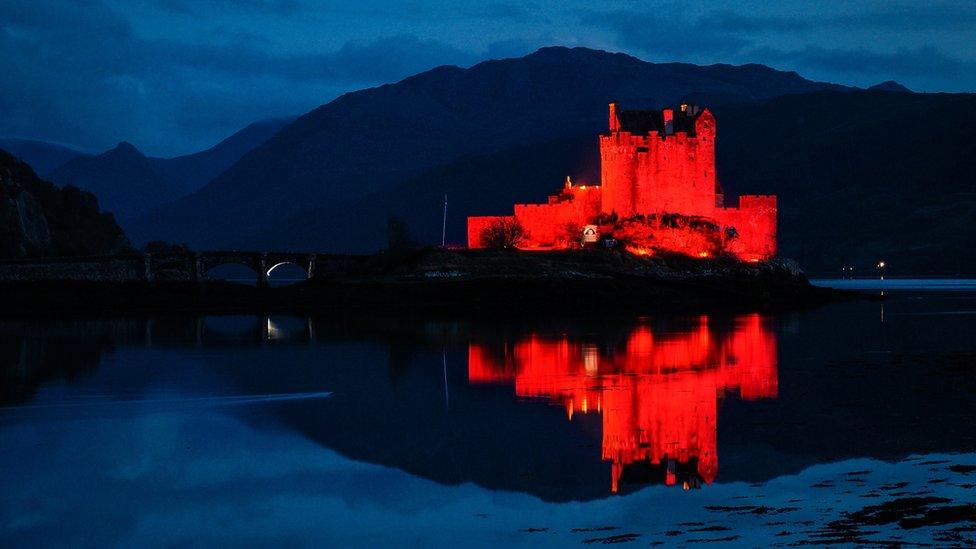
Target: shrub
503,233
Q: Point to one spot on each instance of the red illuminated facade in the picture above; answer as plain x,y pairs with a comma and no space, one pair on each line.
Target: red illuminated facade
659,193
658,394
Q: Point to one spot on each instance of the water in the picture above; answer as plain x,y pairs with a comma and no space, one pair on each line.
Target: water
899,284
746,429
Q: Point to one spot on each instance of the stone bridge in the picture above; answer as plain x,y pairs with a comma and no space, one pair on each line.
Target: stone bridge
182,267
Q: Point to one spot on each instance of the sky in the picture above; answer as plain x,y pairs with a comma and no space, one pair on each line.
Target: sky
177,76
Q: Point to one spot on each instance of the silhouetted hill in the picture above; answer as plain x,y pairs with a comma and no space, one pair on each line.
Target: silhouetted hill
373,140
890,86
125,181
130,184
192,171
476,185
40,155
39,219
861,177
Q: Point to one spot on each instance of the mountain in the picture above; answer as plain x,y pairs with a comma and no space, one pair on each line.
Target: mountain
373,140
861,177
190,172
130,184
39,219
475,185
890,86
41,155
125,181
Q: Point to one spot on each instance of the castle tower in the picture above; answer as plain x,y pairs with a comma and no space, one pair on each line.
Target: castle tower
659,162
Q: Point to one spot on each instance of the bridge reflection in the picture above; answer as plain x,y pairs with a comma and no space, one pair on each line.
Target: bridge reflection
657,393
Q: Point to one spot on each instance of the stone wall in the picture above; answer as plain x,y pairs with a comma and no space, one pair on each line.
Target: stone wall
83,270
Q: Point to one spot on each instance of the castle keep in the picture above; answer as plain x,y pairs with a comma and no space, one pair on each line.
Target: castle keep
659,193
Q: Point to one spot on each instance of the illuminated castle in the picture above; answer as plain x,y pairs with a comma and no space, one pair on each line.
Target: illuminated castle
658,394
659,193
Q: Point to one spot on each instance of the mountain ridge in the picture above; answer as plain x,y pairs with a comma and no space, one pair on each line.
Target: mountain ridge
130,183
42,156
890,86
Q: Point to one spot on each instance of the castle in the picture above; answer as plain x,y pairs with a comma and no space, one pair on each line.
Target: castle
659,193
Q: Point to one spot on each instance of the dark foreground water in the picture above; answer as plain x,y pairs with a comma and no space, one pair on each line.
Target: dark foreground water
851,423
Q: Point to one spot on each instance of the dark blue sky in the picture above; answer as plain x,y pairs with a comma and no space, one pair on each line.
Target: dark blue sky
174,76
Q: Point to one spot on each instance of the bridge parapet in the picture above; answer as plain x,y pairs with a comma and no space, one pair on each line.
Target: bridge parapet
115,269
173,268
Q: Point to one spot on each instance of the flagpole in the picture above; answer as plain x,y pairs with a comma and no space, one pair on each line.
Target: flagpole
444,224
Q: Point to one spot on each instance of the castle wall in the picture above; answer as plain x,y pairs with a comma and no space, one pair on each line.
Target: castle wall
558,223
755,224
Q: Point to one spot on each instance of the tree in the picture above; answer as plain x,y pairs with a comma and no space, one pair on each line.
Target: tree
503,233
160,247
398,237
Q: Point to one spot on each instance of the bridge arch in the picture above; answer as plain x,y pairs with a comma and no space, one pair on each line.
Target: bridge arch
305,262
208,268
200,265
291,271
274,266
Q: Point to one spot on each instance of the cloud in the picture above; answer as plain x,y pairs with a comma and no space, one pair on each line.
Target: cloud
276,7
674,34
925,62
87,77
681,27
831,44
384,59
932,16
499,10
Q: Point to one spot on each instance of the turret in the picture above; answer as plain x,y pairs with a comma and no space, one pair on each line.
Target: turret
705,125
614,121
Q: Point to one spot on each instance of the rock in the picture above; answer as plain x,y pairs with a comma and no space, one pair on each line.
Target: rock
37,219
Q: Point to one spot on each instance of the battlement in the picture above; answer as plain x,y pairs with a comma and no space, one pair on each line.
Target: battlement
647,140
664,122
757,201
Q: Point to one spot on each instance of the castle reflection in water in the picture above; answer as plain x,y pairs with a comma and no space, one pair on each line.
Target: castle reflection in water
657,393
